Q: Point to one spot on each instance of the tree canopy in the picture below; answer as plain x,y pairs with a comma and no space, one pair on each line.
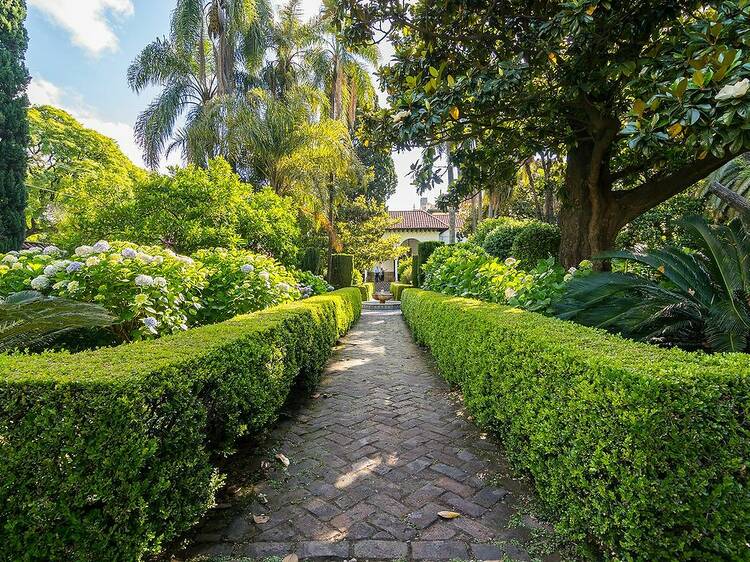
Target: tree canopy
643,100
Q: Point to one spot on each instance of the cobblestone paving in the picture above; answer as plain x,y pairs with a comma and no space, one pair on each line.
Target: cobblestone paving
373,459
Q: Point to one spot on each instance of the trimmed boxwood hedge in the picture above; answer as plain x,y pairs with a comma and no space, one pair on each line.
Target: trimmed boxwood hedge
643,450
342,266
107,454
367,290
397,288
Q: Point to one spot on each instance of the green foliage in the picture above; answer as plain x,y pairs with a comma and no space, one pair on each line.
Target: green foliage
466,270
81,185
29,319
499,241
661,227
424,251
536,241
381,180
13,123
312,260
148,289
485,227
268,224
109,454
342,270
404,271
367,290
310,284
361,226
694,300
238,282
638,449
396,289
416,268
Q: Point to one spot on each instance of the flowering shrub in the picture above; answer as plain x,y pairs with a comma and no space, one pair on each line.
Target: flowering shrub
466,270
238,281
310,284
149,290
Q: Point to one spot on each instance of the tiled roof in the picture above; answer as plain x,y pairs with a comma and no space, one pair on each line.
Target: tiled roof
417,220
444,217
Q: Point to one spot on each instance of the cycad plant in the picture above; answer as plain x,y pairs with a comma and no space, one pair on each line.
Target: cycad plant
694,300
29,320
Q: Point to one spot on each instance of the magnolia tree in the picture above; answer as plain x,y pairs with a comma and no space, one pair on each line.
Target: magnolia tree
643,99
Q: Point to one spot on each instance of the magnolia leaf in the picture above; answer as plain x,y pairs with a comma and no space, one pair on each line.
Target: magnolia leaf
591,9
261,519
699,78
674,130
679,89
639,107
552,57
291,558
434,72
282,458
455,112
448,514
451,81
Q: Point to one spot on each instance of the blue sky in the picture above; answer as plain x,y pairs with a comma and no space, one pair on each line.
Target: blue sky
79,51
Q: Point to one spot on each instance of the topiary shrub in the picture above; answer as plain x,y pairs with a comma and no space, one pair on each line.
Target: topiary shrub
415,269
397,288
342,270
425,250
367,290
108,454
641,449
536,241
311,261
499,242
404,271
485,227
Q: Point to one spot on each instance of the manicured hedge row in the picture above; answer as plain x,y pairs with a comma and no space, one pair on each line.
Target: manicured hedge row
397,288
643,450
104,455
367,290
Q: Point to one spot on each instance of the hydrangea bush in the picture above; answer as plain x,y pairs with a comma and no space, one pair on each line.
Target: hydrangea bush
467,270
238,281
150,290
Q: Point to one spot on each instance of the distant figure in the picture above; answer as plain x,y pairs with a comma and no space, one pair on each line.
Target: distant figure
379,274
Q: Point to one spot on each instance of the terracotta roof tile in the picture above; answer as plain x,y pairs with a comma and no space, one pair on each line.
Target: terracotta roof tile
417,220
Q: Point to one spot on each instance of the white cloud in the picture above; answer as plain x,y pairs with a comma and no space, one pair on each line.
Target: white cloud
89,22
43,92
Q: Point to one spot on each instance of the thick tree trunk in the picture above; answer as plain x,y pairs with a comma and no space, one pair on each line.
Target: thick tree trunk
589,221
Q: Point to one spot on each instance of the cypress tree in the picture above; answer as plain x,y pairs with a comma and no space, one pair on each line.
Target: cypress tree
13,123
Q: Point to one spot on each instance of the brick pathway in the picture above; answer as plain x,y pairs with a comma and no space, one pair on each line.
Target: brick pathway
373,459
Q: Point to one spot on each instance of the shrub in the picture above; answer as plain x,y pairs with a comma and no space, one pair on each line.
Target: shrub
148,289
310,285
397,288
311,261
357,278
342,270
642,449
488,225
238,282
367,290
499,242
404,271
416,267
425,250
107,454
536,241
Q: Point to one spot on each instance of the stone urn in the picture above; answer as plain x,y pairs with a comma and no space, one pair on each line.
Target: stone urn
382,298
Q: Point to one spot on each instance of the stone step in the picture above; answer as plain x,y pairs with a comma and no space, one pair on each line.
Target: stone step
375,305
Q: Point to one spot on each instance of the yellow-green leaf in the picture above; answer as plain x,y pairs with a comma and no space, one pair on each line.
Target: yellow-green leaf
639,107
451,81
674,130
455,113
698,78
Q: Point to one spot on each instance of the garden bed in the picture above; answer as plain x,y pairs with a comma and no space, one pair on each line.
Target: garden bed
639,449
105,455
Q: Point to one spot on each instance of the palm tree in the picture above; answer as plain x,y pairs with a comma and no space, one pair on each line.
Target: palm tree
212,47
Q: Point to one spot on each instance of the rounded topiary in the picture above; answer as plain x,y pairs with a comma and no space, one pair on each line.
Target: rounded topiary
342,270
499,242
537,241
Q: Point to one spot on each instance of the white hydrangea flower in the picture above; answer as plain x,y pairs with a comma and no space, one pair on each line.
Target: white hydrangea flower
51,269
51,250
102,246
144,280
31,251
145,258
72,287
40,282
734,91
510,262
170,253
17,265
128,253
572,270
93,260
283,287
247,268
60,284
73,266
264,275
185,260
10,258
83,251
157,259
509,293
160,281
